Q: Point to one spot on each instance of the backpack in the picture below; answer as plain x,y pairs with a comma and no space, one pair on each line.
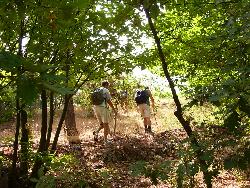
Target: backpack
97,96
141,97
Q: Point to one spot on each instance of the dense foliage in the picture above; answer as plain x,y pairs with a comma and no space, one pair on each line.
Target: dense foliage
207,47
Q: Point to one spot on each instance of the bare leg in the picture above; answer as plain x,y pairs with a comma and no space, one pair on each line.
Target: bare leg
147,124
106,131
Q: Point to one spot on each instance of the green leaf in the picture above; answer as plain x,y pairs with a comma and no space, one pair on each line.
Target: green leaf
27,89
214,98
180,175
104,174
35,180
153,176
9,61
40,172
244,106
165,164
68,10
232,121
82,4
207,156
46,182
194,169
242,164
138,168
146,3
53,78
38,68
58,89
82,184
229,164
155,11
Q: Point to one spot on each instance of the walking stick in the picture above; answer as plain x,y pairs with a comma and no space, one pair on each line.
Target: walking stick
115,123
155,118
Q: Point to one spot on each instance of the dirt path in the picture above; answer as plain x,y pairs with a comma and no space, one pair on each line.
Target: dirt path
110,166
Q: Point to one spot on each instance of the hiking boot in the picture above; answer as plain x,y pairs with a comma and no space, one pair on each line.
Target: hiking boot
149,130
95,136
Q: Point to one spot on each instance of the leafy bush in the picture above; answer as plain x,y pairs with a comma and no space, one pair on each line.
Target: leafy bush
7,105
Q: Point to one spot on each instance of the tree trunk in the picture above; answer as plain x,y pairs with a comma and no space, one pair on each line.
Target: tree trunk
70,123
24,142
178,113
12,180
51,118
60,124
42,143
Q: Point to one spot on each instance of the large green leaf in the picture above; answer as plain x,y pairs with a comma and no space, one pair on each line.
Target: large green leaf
38,68
9,62
58,89
27,89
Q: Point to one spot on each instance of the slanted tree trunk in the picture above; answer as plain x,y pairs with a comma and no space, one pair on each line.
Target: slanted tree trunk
179,113
70,123
60,123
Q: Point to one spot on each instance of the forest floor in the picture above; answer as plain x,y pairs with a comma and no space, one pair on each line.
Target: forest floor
110,165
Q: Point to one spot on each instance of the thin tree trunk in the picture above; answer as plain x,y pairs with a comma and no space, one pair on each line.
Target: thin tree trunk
51,118
24,142
12,181
42,143
60,124
178,113
70,123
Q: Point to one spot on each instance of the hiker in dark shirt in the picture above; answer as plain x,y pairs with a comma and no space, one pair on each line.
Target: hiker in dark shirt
143,99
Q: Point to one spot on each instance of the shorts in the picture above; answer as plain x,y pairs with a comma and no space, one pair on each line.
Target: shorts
102,114
144,109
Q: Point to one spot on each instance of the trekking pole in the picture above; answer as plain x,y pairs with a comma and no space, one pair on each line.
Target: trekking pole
154,112
115,123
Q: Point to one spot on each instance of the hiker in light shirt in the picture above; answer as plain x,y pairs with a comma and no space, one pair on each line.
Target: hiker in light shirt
102,112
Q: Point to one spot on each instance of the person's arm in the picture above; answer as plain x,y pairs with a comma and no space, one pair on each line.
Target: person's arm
108,98
112,106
